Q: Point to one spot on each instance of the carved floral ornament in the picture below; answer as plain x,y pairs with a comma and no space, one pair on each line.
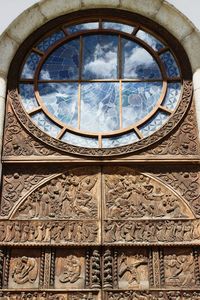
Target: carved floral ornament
62,101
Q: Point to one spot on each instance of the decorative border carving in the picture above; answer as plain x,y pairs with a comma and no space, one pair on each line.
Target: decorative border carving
26,122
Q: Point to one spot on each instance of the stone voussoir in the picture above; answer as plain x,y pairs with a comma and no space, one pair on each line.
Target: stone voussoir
25,24
176,23
8,48
52,9
144,7
86,4
191,43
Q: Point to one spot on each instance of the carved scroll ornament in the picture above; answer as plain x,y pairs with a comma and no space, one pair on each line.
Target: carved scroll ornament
14,99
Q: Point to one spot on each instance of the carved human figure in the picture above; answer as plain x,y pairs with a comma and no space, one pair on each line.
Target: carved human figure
72,270
25,270
130,271
179,269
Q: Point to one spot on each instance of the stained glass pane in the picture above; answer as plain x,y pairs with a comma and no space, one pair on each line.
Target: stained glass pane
81,27
30,66
118,26
100,56
150,40
45,124
81,141
28,96
50,40
170,64
173,95
125,139
100,106
61,100
138,99
155,123
137,62
63,63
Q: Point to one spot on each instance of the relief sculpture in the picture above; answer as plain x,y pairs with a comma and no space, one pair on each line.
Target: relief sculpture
179,270
47,296
24,270
130,195
133,271
152,231
69,269
72,270
67,232
68,196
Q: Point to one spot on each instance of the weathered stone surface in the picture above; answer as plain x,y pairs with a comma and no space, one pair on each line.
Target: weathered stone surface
3,83
24,25
192,45
144,7
196,79
52,9
169,17
2,108
8,47
100,3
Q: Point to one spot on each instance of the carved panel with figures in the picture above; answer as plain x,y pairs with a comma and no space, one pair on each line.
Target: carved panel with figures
70,269
100,233
24,269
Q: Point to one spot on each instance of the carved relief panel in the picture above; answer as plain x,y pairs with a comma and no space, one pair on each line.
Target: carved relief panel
70,269
24,269
133,269
110,228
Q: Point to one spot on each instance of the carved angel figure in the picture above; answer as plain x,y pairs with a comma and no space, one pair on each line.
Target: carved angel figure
25,270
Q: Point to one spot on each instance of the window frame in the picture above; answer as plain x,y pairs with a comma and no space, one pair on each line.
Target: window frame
118,16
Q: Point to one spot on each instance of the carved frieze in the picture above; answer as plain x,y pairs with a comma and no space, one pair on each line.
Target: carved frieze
132,195
46,233
176,118
68,196
42,193
153,295
183,141
18,142
151,232
49,296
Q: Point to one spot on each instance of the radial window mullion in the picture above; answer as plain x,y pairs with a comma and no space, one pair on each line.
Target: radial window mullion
79,105
120,77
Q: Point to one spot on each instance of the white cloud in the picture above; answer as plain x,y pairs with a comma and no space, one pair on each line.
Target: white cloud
104,62
137,56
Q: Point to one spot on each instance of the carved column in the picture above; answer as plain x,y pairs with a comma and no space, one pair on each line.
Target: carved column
7,266
107,272
196,265
156,267
96,269
47,268
1,266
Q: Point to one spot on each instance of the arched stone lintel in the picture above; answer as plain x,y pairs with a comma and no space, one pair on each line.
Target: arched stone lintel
159,11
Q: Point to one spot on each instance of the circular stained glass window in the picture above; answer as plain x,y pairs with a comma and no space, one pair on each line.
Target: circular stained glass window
101,84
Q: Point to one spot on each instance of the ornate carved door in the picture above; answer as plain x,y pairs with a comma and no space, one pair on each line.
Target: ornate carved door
100,233
100,181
